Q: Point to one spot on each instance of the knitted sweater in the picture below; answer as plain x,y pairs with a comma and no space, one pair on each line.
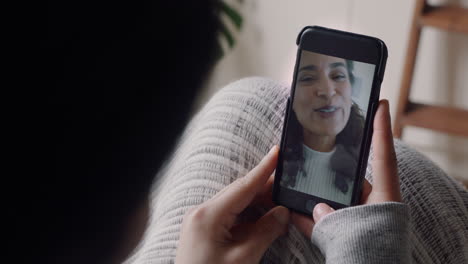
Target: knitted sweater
232,133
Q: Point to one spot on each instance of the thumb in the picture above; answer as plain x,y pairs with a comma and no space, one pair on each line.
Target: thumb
321,210
267,229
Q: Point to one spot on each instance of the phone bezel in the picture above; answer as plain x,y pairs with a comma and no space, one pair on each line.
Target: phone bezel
348,46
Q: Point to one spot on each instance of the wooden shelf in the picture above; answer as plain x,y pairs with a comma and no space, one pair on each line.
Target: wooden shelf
445,119
450,18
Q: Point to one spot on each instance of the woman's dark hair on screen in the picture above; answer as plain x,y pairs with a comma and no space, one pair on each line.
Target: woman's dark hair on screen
344,160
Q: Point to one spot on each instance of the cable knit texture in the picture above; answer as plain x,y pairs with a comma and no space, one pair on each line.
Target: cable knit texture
231,134
376,233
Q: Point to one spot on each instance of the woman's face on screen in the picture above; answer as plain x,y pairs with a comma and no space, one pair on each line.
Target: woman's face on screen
322,100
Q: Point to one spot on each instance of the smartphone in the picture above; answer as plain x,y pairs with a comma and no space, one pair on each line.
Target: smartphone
329,117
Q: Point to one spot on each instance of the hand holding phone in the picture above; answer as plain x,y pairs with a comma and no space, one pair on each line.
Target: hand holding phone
385,186
328,122
211,232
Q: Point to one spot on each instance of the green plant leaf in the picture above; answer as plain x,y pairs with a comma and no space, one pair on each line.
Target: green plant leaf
235,17
225,32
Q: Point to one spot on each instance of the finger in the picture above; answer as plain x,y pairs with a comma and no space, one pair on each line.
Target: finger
321,210
385,181
305,224
238,195
267,229
264,197
241,232
366,190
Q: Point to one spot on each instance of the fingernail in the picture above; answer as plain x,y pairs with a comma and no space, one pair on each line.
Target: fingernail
386,106
272,150
321,210
281,215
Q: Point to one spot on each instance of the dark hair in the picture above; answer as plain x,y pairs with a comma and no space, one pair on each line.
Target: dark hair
343,161
118,81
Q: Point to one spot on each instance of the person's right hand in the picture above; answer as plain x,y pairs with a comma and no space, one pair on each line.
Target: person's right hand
211,233
386,186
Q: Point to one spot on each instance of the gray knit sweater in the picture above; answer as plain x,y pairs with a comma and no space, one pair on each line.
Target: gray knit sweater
231,134
375,233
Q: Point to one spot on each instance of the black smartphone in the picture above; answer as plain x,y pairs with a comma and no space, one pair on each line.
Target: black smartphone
329,117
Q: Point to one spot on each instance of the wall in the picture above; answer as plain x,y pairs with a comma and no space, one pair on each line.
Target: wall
266,47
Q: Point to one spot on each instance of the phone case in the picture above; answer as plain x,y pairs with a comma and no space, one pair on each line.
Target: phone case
349,46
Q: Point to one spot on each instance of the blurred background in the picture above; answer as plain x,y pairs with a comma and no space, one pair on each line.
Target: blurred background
265,46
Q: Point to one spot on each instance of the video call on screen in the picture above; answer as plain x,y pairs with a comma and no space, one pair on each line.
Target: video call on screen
326,126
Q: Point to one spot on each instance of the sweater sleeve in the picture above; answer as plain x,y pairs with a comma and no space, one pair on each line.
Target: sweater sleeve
377,233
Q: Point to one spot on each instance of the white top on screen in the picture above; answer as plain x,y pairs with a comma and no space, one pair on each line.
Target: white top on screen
318,178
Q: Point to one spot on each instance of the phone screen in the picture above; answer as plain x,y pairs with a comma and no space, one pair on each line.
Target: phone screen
325,128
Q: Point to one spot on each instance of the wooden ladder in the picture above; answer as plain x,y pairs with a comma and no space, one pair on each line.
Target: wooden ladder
446,119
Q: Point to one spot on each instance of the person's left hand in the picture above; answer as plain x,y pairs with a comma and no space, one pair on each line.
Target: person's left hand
210,233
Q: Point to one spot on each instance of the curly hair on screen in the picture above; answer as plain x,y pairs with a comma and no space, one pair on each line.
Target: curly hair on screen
343,161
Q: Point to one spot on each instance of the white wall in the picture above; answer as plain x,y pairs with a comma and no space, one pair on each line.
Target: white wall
266,47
